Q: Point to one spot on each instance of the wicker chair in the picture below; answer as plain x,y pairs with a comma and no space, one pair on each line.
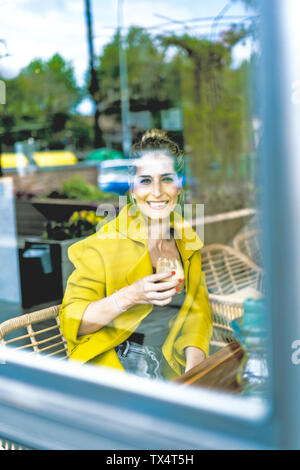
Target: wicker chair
231,277
33,332
228,270
40,333
249,244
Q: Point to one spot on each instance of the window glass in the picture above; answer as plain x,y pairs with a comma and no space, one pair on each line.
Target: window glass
130,190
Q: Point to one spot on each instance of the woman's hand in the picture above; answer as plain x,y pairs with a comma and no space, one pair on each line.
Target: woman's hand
149,290
194,356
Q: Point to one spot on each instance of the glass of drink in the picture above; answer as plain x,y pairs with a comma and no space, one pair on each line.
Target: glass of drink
174,265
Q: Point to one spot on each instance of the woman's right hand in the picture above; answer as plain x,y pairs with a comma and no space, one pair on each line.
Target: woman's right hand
148,290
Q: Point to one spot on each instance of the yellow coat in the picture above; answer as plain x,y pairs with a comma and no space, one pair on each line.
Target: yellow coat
115,257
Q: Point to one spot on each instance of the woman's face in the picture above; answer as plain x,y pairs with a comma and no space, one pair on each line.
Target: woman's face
156,185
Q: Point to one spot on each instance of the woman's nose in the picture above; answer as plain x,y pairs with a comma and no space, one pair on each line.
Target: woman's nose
156,188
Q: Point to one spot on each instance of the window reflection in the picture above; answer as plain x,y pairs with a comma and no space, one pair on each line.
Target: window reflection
156,256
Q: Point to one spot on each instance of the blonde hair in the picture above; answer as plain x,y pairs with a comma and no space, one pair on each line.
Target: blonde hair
157,139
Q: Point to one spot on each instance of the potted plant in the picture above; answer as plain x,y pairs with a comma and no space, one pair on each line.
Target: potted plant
81,224
58,237
75,194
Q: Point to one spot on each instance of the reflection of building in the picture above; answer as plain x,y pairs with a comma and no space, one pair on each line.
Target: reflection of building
141,120
169,119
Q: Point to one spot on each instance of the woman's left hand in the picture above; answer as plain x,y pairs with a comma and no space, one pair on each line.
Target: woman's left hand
194,356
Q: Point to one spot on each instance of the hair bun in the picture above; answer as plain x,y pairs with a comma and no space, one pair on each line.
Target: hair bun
155,134
156,139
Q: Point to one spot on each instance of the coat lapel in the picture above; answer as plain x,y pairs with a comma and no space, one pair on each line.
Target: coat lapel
142,268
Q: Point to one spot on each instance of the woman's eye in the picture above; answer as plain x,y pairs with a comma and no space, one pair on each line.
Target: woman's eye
145,181
168,179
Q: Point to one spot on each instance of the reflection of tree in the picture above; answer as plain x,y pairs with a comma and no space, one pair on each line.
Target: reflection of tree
214,102
197,78
205,55
40,101
148,74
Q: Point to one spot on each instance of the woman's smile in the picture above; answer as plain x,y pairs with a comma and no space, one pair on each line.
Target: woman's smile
157,205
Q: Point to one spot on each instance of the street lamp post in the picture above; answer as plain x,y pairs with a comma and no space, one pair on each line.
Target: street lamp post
125,112
94,82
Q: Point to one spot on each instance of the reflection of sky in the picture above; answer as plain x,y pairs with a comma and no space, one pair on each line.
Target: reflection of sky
34,29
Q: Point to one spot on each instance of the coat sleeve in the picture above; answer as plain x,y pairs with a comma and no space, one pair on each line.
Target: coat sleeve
197,327
85,285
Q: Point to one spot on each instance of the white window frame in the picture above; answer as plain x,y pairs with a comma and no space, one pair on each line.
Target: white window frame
55,405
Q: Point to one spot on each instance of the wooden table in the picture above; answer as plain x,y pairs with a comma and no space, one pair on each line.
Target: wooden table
218,371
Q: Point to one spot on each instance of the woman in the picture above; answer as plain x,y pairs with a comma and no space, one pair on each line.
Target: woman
117,310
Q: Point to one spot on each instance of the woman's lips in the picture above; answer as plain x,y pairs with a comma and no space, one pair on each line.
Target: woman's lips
157,205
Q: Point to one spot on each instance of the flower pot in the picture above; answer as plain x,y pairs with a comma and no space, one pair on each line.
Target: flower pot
45,269
61,209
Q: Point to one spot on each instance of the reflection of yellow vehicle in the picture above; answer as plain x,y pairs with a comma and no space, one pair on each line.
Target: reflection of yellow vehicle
54,158
41,159
13,160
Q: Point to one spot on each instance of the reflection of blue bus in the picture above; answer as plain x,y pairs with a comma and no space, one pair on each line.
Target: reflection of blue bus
113,175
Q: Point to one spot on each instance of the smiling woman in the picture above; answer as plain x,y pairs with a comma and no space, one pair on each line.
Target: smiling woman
120,309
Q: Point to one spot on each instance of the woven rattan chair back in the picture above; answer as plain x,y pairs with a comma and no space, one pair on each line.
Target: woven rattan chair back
227,273
250,245
38,332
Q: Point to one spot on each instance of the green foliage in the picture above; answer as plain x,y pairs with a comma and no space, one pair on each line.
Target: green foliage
40,101
80,132
217,123
49,87
148,73
78,188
